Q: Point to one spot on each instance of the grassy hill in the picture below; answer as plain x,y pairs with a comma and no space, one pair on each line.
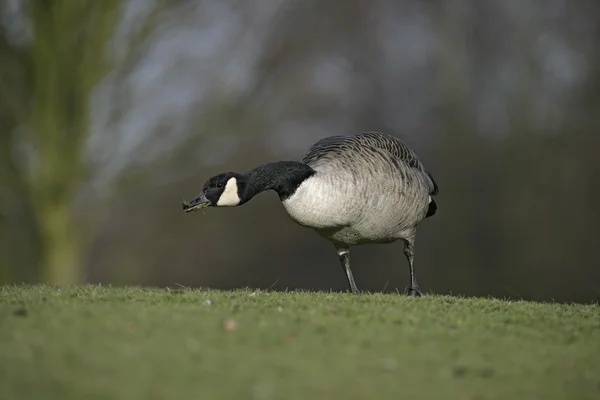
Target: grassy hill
96,342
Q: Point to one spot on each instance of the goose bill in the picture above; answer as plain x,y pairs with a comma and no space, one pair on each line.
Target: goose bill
196,203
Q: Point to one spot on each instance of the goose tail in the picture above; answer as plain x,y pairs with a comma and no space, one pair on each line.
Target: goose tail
434,191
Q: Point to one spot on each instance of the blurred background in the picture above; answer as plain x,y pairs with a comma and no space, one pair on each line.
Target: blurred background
112,111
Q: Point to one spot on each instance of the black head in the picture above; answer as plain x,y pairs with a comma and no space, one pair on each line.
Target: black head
223,190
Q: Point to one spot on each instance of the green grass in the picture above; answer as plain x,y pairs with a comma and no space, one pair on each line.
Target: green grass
105,343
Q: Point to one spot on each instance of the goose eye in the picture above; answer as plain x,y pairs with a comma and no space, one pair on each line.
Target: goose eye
219,185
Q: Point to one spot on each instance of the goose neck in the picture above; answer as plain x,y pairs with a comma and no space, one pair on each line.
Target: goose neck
283,176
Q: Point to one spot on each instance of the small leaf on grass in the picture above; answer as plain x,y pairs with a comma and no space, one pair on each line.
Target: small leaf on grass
229,324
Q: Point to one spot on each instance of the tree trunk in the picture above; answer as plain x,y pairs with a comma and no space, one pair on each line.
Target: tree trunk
62,247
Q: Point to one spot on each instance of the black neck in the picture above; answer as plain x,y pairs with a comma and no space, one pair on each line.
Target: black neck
283,176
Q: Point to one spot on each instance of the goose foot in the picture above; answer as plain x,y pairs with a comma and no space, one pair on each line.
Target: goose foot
414,291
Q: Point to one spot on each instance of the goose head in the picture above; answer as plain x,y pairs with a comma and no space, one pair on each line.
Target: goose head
231,189
223,190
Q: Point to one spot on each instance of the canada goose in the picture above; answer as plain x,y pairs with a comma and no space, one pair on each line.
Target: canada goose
357,189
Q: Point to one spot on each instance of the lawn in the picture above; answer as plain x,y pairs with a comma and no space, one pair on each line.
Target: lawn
96,342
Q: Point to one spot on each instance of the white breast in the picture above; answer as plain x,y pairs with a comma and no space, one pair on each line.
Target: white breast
319,203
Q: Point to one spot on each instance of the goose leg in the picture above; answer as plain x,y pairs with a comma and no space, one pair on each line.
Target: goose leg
409,245
344,255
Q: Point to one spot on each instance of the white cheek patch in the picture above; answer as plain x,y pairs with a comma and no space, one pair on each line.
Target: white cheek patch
229,197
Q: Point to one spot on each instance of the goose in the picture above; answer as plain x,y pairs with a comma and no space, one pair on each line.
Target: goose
354,189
